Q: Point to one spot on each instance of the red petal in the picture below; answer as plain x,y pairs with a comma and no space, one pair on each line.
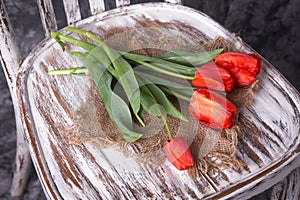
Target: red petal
242,77
259,63
212,109
178,153
212,76
209,83
249,62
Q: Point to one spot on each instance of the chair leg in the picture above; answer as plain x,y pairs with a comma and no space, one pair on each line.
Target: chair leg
288,188
23,163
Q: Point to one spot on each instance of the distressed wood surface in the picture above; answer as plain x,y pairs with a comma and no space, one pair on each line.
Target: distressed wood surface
270,146
10,54
120,3
72,11
289,188
47,16
96,6
174,1
11,61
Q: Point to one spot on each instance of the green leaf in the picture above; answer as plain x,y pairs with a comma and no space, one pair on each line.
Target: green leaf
161,81
189,58
116,107
186,91
141,113
163,71
171,66
179,93
162,99
149,103
55,35
123,70
59,37
92,49
99,54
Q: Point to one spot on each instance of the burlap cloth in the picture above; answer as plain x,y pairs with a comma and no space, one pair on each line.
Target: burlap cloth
210,148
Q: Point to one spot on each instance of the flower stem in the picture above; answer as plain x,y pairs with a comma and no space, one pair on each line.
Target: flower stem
176,94
167,127
73,71
158,69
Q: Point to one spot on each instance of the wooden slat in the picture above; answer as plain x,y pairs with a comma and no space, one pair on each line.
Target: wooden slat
96,6
11,60
47,16
10,53
23,162
175,1
289,188
120,3
72,11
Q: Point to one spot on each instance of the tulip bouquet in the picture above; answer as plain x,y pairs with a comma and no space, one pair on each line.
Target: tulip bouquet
143,89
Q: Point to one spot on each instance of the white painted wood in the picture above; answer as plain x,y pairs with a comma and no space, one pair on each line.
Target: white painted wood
10,53
47,16
289,188
72,11
88,172
23,162
175,1
96,6
120,3
11,61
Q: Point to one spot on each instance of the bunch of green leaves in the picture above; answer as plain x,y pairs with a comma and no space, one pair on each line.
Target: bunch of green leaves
144,90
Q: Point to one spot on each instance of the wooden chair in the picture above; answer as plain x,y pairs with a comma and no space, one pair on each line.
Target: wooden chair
67,171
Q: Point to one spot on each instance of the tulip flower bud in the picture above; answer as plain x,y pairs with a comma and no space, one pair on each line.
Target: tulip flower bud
212,109
178,153
242,77
212,76
243,67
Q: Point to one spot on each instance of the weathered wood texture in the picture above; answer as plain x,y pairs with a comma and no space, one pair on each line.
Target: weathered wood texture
97,6
270,146
11,61
289,188
47,16
10,55
72,11
120,3
175,1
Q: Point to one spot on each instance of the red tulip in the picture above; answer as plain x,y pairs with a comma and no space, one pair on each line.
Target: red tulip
242,77
212,109
243,67
212,76
178,153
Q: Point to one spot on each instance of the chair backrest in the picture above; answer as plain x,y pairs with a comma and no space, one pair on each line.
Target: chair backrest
72,11
9,52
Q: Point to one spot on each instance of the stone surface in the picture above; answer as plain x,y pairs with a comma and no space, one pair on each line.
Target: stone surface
271,27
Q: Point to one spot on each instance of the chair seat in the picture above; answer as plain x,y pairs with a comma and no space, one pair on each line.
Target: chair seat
270,146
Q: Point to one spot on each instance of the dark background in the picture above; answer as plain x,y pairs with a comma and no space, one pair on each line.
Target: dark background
271,27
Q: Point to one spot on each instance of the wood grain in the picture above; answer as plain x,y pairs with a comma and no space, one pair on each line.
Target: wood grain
47,14
270,146
96,6
11,61
72,11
